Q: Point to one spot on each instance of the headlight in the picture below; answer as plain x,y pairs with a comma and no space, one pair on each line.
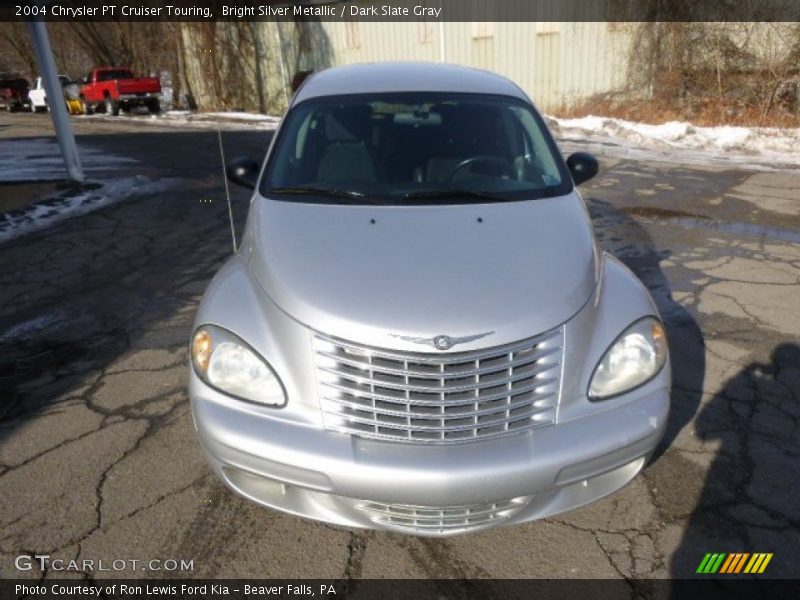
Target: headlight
227,363
633,359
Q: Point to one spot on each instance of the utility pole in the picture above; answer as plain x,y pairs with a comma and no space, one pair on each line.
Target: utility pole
55,94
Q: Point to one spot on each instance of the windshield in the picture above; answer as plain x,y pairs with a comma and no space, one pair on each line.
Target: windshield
115,74
412,148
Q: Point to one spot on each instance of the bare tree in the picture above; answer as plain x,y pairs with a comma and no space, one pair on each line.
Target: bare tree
16,49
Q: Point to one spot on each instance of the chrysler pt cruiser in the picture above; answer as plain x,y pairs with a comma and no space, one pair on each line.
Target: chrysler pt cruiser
418,331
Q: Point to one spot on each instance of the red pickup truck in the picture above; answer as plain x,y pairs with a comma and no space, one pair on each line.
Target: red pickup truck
13,92
114,88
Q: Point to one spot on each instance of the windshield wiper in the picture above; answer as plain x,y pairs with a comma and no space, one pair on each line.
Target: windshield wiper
321,191
434,194
300,190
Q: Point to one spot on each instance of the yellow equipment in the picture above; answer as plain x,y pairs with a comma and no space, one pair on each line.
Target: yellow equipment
75,107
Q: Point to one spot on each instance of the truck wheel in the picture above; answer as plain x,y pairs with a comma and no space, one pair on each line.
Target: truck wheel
112,108
86,107
154,106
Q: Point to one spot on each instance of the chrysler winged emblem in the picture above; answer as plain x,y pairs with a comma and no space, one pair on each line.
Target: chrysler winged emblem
442,342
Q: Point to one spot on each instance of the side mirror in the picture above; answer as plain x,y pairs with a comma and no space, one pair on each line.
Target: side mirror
243,171
583,166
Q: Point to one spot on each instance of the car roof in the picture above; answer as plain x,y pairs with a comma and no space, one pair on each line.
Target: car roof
405,77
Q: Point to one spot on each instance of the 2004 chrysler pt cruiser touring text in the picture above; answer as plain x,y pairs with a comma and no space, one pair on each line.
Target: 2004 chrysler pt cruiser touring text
418,331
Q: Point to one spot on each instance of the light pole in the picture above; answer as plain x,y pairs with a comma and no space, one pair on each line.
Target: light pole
58,108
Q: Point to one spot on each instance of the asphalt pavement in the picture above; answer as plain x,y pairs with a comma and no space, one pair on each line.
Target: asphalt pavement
98,458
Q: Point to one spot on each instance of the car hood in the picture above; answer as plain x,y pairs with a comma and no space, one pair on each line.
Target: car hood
372,273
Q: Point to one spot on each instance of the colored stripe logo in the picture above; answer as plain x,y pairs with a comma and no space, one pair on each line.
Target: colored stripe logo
734,562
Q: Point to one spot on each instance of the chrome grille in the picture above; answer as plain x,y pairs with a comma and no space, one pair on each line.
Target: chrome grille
441,519
439,398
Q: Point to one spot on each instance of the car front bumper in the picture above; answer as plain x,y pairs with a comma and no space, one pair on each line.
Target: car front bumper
426,489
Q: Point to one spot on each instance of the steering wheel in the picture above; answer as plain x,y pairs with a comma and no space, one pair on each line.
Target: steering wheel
492,161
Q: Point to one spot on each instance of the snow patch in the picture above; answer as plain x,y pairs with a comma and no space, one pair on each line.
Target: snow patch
39,159
764,148
197,120
240,116
74,203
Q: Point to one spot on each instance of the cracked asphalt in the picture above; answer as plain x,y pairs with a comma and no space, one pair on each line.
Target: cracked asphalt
98,458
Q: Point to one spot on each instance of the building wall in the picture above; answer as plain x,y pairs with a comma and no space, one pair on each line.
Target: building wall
555,63
250,65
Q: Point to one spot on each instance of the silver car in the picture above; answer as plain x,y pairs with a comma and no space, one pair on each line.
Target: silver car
418,331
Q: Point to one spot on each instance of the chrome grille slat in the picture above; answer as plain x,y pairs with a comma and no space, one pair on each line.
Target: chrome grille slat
437,524
456,512
464,437
413,401
430,389
442,358
506,420
441,518
399,412
439,398
349,361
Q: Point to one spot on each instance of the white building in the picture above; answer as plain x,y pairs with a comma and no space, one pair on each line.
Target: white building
558,64
555,63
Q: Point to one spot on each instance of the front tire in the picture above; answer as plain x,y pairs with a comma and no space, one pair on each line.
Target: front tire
154,106
112,108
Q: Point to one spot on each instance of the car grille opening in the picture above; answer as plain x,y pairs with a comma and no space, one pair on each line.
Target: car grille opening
441,519
439,398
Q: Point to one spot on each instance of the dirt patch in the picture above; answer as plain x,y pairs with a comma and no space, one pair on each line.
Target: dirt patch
18,195
654,212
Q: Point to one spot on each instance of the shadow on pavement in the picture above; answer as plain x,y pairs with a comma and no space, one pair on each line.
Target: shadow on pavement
625,238
75,296
745,505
